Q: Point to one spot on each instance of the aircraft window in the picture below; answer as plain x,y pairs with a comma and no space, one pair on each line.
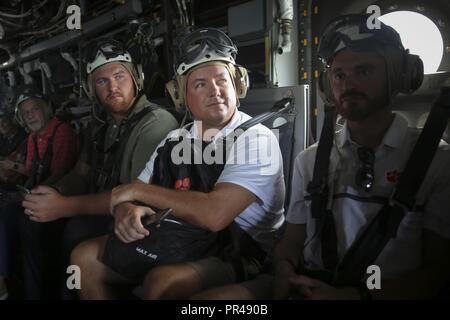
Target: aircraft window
420,35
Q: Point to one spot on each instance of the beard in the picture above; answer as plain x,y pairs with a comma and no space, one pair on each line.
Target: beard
356,106
36,126
119,104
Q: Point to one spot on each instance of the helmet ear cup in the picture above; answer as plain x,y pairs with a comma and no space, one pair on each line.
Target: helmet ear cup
325,88
139,77
88,87
173,91
18,117
241,81
412,73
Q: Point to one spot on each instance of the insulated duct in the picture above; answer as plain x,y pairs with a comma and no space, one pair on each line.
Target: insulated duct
97,25
27,79
11,79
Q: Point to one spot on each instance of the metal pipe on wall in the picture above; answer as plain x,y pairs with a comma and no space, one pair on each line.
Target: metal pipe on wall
286,15
94,26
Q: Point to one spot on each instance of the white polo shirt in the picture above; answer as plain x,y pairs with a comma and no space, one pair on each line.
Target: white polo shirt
353,208
255,163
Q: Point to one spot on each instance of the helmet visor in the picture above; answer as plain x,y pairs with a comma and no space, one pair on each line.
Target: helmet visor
203,45
104,51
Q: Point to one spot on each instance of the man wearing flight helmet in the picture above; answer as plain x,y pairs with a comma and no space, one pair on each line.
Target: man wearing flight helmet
364,70
115,150
208,84
34,112
52,151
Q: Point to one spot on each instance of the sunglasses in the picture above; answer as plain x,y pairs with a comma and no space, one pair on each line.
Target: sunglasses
365,175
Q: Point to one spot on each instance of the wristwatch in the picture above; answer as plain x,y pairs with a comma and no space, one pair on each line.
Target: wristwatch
16,166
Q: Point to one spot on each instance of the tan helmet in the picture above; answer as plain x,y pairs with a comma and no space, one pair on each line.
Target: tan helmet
201,47
106,51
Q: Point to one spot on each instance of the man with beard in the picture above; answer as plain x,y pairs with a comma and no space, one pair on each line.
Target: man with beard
122,136
247,192
364,70
48,136
52,150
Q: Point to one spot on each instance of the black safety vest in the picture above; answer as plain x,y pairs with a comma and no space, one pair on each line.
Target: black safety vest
106,164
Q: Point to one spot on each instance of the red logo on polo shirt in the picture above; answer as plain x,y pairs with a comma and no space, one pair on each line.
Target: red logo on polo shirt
392,176
183,184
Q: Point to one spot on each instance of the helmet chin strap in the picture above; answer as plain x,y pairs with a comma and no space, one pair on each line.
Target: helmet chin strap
187,114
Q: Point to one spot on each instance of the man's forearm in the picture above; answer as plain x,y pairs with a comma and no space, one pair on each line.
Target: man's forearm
214,210
76,182
289,249
89,204
20,168
53,179
188,205
71,184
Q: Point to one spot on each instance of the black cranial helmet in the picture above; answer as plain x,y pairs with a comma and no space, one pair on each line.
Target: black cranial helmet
404,70
351,31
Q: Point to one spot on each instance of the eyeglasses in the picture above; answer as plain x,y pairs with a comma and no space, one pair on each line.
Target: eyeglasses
352,31
365,176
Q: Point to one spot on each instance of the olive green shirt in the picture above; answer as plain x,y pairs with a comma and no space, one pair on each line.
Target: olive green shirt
143,140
